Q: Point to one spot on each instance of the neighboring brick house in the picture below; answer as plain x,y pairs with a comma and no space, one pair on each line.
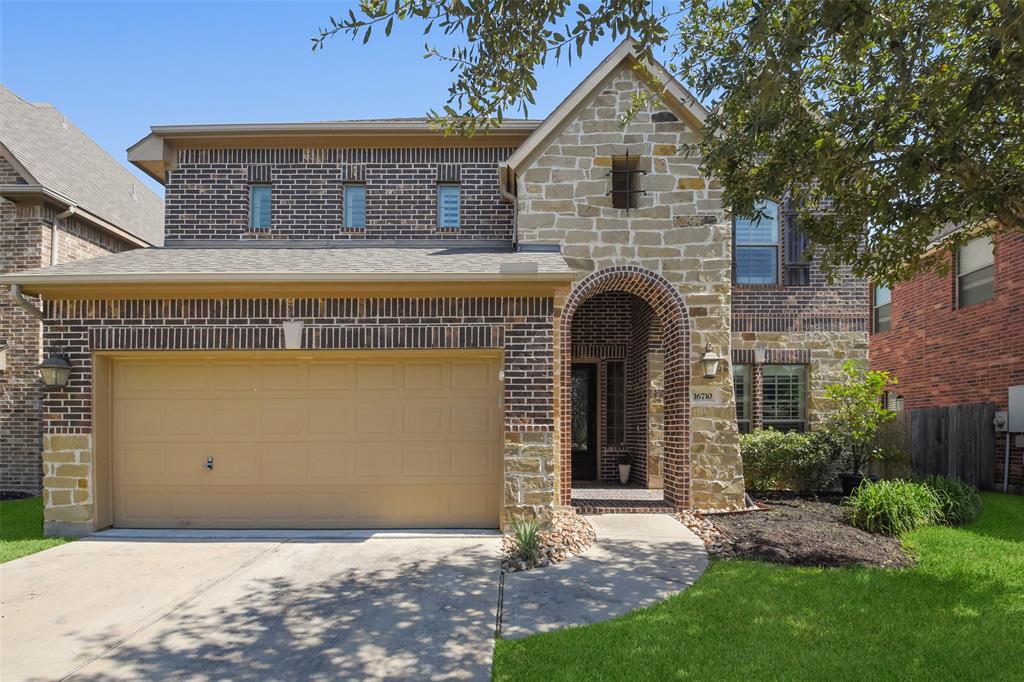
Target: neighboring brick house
958,337
62,199
368,324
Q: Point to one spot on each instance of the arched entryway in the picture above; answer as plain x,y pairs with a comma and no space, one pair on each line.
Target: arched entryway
658,316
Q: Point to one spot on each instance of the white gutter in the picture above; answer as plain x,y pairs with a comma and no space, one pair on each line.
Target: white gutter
25,303
55,232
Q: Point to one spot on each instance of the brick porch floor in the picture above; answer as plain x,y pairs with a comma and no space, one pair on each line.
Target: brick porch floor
610,498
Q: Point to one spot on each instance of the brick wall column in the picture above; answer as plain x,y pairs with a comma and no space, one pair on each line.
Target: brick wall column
757,397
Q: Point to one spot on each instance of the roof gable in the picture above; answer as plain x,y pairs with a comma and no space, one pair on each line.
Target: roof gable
676,97
56,155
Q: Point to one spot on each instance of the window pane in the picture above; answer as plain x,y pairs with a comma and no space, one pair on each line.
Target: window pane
355,205
883,295
784,397
625,181
759,229
448,205
975,254
883,318
615,403
757,264
741,384
976,287
259,206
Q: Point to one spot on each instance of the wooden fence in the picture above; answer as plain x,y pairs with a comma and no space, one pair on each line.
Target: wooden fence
957,441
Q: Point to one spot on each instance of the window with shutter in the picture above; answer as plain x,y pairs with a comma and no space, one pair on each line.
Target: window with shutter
798,266
448,208
784,397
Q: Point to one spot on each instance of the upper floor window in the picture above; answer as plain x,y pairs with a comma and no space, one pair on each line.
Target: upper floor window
741,384
785,397
615,402
448,205
259,206
355,206
626,174
975,272
757,245
882,305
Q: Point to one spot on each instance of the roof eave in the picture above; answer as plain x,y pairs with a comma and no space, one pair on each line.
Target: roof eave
18,193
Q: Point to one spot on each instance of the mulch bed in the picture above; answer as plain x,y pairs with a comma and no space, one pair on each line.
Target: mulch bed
804,531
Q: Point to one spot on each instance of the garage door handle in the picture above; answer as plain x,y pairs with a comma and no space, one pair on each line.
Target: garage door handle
209,463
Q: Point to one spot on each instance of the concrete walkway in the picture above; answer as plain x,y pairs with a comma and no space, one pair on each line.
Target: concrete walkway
638,560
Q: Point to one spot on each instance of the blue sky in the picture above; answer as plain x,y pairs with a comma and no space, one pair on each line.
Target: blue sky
115,68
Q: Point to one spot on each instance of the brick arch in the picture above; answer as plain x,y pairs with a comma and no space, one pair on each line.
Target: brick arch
670,308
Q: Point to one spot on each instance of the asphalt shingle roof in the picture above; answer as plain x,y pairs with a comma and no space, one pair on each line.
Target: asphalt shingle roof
299,264
65,160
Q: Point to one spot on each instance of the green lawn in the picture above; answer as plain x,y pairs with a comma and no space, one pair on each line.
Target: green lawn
21,529
957,614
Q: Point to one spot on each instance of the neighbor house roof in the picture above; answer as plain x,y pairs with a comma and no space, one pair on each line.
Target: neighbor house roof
62,163
676,97
295,264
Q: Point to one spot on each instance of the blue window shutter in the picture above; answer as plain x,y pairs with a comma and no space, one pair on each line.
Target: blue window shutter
355,206
259,206
448,206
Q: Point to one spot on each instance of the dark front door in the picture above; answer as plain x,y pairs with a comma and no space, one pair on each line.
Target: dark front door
584,422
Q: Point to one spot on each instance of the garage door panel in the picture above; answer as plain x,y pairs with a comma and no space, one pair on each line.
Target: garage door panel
389,441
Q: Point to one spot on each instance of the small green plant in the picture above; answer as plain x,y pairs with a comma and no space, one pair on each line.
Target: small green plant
526,533
893,507
958,501
858,413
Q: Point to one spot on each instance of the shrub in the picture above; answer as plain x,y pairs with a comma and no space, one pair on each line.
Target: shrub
958,501
807,461
526,533
893,507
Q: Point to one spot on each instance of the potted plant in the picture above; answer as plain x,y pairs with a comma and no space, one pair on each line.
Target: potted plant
625,461
858,415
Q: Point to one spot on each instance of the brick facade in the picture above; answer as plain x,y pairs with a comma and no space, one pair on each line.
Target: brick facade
207,194
522,327
25,242
943,355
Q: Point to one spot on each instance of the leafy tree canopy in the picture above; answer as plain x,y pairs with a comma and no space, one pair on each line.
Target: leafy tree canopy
882,120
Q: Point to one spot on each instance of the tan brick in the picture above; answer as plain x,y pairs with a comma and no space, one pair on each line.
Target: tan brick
690,183
72,470
75,512
59,498
57,482
664,150
65,441
59,456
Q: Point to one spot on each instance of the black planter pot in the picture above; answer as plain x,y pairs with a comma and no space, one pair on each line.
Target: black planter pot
851,481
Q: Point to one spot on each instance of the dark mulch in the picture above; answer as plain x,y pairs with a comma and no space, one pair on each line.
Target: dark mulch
806,531
13,495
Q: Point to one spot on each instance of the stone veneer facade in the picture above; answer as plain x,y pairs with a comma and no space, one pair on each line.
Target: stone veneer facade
25,243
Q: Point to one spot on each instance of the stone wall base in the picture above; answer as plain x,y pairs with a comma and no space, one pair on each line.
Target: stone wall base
67,484
529,475
66,529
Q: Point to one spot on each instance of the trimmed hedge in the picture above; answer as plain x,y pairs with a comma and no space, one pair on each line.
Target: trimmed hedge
805,461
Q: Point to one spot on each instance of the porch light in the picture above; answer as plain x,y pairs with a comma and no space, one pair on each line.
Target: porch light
709,360
55,369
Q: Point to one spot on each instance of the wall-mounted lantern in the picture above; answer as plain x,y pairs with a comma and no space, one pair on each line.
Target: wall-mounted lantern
55,370
709,360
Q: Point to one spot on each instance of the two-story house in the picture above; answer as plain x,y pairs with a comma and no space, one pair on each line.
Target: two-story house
368,324
62,199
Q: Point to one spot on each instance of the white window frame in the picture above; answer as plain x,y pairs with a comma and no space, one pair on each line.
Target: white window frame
877,312
737,246
769,412
963,273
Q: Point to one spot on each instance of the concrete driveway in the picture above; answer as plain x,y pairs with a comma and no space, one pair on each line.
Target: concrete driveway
350,606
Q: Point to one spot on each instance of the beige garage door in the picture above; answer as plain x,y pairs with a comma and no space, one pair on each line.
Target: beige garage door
330,441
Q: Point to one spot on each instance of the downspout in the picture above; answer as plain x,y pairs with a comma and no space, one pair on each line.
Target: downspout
503,173
55,231
24,302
